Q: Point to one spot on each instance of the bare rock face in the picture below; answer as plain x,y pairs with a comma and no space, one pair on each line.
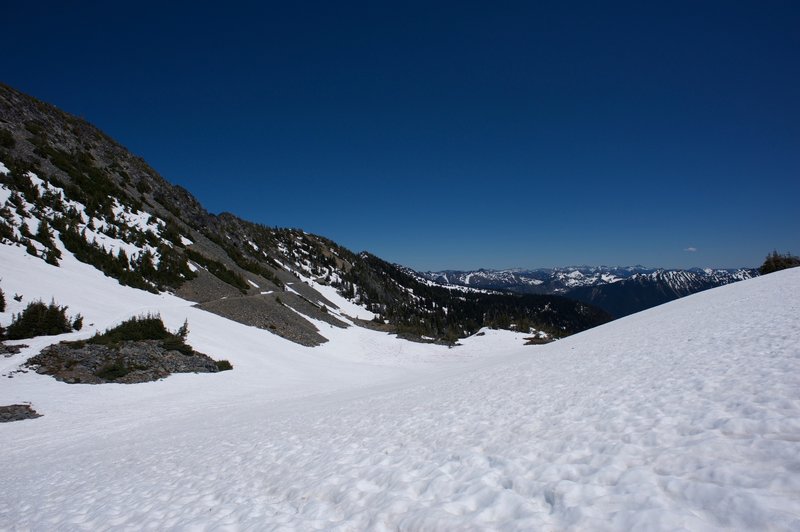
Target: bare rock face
129,363
265,312
11,413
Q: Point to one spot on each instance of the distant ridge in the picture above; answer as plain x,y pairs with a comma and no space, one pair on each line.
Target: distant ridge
619,290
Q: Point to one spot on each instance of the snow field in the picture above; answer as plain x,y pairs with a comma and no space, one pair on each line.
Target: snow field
686,416
267,367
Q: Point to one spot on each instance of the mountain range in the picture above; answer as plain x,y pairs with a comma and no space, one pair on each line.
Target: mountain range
618,290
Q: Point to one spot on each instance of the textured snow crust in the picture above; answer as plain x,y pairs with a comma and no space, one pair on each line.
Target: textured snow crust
686,416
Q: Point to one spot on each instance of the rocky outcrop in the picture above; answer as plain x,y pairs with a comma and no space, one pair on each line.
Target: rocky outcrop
130,362
10,350
10,413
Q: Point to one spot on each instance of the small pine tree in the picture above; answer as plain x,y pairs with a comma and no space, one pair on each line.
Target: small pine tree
122,259
146,267
184,330
6,230
24,231
776,262
2,301
44,234
30,248
56,320
77,323
52,256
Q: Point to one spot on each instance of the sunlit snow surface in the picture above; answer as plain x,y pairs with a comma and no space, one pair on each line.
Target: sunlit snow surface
684,416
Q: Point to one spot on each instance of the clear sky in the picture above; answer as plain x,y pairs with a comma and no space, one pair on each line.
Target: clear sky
451,135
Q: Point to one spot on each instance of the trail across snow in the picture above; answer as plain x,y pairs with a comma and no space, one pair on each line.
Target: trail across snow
683,416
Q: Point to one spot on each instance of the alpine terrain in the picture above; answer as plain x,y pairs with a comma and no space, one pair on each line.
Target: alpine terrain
69,188
167,368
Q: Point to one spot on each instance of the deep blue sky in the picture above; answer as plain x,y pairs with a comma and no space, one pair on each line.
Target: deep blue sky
451,135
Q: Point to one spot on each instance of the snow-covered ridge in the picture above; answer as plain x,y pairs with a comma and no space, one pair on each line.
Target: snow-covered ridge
561,280
539,281
443,282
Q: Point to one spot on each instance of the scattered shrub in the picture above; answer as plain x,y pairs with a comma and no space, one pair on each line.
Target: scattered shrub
776,262
249,265
112,371
140,328
44,234
147,327
175,343
223,365
39,319
24,230
218,270
52,255
2,301
6,228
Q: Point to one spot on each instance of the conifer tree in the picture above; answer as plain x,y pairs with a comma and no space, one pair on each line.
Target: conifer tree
39,319
122,258
184,330
43,233
775,262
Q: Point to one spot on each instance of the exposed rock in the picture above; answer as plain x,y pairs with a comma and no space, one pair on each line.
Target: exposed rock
205,287
266,312
304,306
537,340
9,350
10,413
131,362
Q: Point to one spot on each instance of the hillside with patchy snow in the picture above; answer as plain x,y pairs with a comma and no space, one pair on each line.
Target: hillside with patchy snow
685,416
66,185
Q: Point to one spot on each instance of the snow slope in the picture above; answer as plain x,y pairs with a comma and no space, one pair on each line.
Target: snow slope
686,416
